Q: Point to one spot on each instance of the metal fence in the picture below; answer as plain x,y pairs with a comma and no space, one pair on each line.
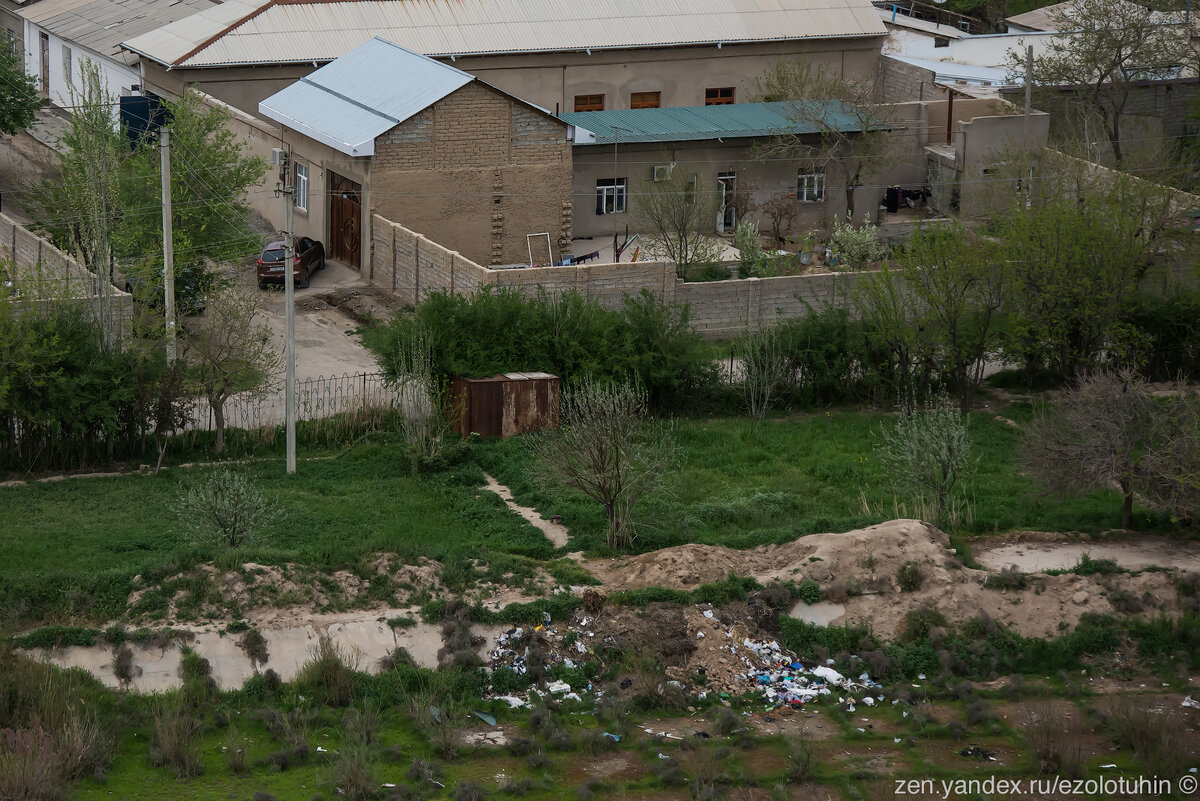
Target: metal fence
316,399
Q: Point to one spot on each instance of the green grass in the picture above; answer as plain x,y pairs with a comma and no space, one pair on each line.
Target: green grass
802,475
72,547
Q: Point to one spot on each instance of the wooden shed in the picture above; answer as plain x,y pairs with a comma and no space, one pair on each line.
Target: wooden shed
505,404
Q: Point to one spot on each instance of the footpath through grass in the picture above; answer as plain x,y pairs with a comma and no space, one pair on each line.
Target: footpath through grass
801,475
71,548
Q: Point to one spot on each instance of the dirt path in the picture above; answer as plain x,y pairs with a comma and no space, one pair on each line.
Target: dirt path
1031,557
555,532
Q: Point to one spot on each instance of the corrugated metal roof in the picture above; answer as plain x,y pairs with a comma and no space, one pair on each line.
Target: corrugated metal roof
890,17
101,25
371,89
295,31
951,72
693,123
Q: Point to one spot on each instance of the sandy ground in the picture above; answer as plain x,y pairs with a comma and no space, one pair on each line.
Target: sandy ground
1033,556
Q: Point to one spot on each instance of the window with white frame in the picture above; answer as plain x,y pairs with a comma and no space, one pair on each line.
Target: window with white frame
610,196
300,196
810,186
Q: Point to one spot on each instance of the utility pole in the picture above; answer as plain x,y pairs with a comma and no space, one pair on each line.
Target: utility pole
289,281
164,150
1028,86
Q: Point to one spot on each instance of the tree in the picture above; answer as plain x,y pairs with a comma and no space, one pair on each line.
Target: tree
226,508
170,408
819,100
231,351
1108,430
79,208
211,172
679,217
1072,256
1107,45
606,448
928,454
19,99
956,282
767,370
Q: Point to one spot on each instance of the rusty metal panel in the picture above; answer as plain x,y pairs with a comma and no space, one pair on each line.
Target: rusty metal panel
504,405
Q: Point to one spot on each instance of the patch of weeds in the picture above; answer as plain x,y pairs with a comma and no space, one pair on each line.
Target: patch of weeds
910,577
570,573
354,775
255,646
649,595
397,658
122,664
1157,743
1010,578
235,751
1087,566
328,676
720,593
237,627
1056,740
401,622
58,637
173,741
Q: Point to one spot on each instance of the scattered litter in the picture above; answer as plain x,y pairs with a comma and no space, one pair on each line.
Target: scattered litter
1109,765
388,785
699,635
321,750
437,713
708,613
486,718
1190,702
512,701
661,755
895,739
558,687
616,738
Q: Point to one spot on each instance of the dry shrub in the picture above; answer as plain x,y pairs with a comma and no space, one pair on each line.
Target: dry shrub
255,646
28,766
360,725
396,658
353,775
235,751
801,759
1056,739
84,746
122,664
329,675
174,741
1158,743
293,728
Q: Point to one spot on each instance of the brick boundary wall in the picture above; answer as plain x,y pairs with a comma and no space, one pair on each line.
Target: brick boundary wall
412,267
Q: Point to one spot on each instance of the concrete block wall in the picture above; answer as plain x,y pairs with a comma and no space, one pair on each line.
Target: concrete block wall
55,274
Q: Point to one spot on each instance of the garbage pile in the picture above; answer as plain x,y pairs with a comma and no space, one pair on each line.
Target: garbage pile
725,658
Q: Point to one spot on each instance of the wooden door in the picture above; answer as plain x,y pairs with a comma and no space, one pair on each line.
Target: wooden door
44,40
345,220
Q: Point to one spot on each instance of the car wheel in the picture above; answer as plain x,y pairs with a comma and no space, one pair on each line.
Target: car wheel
304,281
262,284
322,267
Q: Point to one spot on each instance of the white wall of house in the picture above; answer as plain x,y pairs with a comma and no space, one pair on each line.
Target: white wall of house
64,60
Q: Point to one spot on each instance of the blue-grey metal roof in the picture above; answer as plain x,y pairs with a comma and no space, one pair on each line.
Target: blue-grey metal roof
693,123
370,90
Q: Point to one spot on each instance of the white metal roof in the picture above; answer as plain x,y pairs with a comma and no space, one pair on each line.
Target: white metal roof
295,31
953,72
101,25
932,27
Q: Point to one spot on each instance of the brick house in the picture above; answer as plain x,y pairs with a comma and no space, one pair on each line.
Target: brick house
387,131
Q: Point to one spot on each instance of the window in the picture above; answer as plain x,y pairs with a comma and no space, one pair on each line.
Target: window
940,42
300,196
610,196
66,53
718,97
644,99
810,187
589,102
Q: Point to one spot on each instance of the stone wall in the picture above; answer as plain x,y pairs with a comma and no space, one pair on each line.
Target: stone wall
479,171
34,265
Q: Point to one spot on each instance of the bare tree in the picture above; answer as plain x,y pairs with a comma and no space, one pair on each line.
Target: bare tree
679,217
782,211
231,351
169,409
853,126
767,370
608,449
1109,431
1106,46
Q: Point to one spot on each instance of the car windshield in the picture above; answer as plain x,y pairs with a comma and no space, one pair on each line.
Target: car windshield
273,255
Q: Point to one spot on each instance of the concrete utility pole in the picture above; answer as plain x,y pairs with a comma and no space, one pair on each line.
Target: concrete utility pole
1028,86
289,281
164,150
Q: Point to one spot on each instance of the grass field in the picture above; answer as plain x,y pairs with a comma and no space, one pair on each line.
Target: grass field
72,547
801,475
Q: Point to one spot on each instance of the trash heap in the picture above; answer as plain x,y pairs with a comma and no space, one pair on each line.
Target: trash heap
727,660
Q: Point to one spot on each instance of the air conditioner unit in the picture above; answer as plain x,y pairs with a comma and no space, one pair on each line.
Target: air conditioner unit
662,172
279,157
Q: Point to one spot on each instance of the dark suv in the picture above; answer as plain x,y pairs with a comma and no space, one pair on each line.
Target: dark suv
309,257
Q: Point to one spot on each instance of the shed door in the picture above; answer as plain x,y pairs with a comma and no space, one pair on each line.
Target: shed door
345,220
45,45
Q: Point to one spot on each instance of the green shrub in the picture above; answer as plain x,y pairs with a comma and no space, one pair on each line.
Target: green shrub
810,591
225,507
328,676
649,595
731,588
58,637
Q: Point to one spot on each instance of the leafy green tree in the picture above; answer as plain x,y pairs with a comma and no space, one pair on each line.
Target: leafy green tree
1110,45
210,175
19,99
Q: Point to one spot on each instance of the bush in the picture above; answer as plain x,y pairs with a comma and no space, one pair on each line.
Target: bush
255,646
801,759
174,743
226,508
1056,740
328,676
909,577
927,454
502,330
353,775
28,766
810,591
857,247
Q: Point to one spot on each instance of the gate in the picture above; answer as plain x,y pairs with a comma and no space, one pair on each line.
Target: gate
345,220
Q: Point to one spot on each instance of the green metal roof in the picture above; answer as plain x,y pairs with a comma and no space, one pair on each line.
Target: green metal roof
691,123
